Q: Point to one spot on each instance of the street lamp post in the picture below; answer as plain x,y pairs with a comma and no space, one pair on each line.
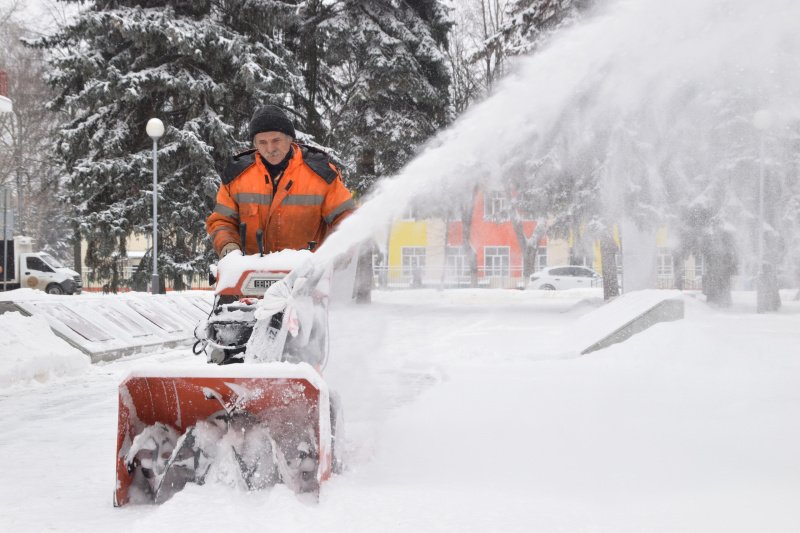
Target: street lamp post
6,106
5,239
762,120
155,130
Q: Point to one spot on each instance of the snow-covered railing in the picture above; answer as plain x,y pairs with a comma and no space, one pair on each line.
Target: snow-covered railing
107,327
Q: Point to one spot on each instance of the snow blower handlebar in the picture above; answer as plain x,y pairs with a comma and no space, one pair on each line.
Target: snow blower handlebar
243,237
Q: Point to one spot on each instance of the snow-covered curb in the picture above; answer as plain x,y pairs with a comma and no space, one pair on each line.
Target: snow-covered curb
31,352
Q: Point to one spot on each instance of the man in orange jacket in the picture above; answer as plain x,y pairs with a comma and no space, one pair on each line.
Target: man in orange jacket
292,192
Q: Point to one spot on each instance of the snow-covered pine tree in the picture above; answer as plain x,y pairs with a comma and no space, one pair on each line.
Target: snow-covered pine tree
391,62
717,190
309,32
527,22
202,67
582,189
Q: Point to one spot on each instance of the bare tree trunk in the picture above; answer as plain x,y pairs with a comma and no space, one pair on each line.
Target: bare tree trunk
466,230
362,291
721,266
716,286
488,59
76,249
527,246
310,57
472,257
365,169
491,19
608,251
768,298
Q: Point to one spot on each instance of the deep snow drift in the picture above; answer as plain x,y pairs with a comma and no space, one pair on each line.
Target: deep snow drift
462,414
31,352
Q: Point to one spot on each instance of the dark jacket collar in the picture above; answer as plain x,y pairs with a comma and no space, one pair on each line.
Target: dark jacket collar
276,170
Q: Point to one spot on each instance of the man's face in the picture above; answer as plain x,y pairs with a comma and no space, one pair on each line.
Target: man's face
273,145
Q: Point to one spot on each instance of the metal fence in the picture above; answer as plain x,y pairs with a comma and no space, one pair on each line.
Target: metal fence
684,283
127,283
400,278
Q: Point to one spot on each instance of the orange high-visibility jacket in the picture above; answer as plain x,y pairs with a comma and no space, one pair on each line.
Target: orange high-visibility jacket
310,199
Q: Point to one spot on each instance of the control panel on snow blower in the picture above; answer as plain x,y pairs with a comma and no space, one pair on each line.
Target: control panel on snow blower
256,283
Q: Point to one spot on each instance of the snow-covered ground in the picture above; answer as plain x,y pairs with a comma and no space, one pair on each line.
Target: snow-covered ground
462,414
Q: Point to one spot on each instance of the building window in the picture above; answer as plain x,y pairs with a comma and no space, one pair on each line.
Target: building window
457,262
495,206
664,262
579,260
410,214
380,271
496,260
541,259
377,260
413,258
699,266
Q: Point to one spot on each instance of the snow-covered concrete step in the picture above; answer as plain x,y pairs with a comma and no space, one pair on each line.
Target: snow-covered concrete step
624,317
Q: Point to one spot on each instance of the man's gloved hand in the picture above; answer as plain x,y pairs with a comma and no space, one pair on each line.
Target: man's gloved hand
228,248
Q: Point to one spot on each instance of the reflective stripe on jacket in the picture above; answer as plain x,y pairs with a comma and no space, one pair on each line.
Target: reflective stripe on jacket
303,208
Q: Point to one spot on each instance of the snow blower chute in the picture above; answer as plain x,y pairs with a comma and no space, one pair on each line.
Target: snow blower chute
269,420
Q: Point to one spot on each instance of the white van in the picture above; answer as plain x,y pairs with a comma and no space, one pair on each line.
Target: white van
34,270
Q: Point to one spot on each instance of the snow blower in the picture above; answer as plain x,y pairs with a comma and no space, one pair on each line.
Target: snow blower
268,420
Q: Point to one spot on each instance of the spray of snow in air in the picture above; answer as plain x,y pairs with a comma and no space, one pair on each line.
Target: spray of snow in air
656,97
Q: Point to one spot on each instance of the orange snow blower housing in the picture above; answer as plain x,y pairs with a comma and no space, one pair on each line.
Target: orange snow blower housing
285,398
270,420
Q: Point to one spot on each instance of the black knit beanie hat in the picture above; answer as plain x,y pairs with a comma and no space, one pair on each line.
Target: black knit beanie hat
270,118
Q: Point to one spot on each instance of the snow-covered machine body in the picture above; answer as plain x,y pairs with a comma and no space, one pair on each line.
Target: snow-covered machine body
242,297
267,421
